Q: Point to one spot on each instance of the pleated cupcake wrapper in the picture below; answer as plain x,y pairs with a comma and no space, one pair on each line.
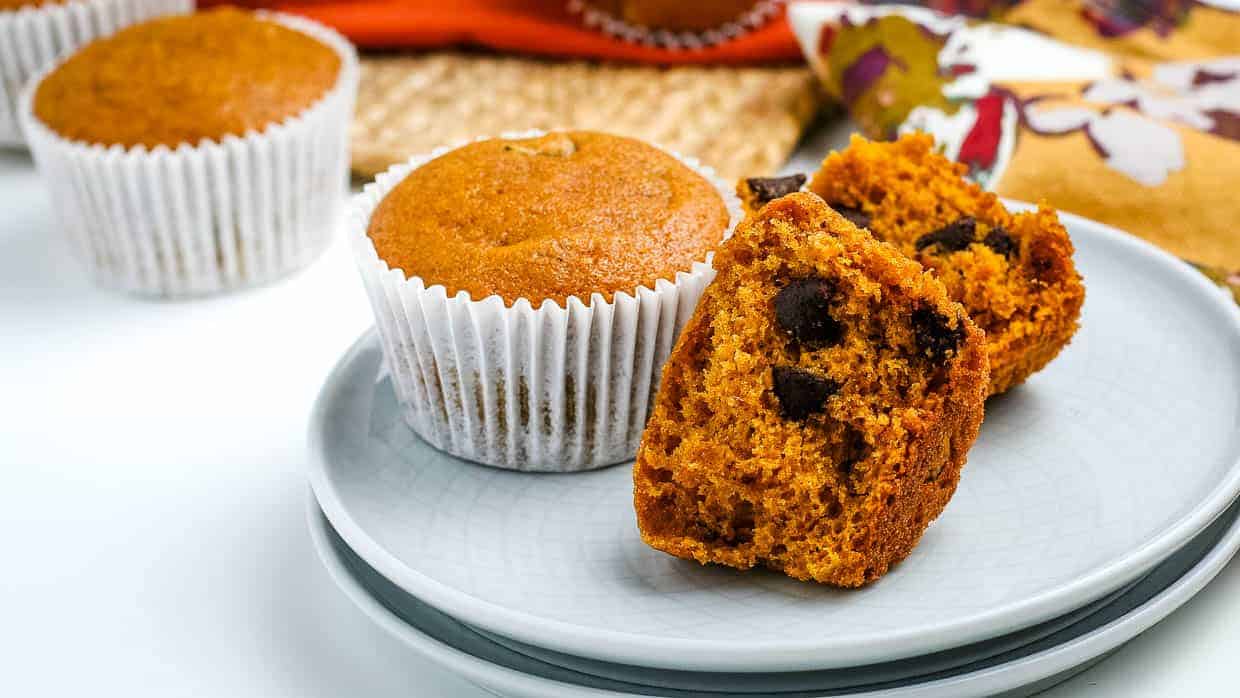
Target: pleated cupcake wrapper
553,389
211,217
33,38
605,22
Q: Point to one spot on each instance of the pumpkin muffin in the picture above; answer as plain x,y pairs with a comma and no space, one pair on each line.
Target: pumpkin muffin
676,15
35,33
198,153
527,290
817,409
565,214
185,79
1013,273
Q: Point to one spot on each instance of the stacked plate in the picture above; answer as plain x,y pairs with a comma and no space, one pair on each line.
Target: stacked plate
1097,500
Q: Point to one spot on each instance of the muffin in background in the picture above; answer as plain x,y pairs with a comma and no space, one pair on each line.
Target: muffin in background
199,153
34,33
676,24
674,15
528,288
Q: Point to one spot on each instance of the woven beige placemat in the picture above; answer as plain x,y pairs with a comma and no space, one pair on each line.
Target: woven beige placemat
740,121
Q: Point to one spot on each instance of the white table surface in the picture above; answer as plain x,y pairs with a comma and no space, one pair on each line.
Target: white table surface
152,523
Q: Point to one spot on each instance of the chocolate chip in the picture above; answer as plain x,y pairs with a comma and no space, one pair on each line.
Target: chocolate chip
1043,266
854,451
800,392
1002,243
856,216
803,310
952,237
770,188
857,448
934,336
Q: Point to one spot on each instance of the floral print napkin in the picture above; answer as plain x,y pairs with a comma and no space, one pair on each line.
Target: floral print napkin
1124,112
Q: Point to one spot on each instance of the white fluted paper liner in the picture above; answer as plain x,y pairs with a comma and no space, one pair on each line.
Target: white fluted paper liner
605,22
553,389
32,38
211,217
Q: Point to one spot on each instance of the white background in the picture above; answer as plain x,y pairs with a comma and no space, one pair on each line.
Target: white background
152,524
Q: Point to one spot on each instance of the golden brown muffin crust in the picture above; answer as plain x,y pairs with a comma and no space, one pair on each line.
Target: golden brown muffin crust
841,490
186,78
566,214
676,15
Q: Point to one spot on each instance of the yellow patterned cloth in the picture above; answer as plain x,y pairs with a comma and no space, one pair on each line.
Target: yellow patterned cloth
1124,112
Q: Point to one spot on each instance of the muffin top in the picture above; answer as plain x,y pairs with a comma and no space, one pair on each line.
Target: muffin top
566,214
184,78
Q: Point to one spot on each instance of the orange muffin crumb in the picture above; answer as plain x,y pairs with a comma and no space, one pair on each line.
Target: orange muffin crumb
816,410
676,15
562,215
1013,273
183,79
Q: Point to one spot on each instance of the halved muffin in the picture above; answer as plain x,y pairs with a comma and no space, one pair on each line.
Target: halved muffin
1012,272
816,411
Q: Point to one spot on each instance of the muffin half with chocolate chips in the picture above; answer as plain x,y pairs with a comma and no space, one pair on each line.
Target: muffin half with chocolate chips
1013,272
817,409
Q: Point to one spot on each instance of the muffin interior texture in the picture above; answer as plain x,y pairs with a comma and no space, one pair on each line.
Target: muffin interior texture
567,214
182,79
1012,272
816,411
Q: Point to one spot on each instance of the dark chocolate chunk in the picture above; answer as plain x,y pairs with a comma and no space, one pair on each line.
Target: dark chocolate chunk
800,392
952,237
770,188
856,216
855,450
803,310
1042,266
935,337
1002,243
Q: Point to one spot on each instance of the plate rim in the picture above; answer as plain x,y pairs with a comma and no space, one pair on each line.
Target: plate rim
1062,660
788,655
1007,643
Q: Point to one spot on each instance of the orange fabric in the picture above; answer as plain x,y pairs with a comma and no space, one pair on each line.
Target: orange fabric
543,27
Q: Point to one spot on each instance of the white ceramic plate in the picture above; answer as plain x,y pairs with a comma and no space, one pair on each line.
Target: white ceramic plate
1082,480
829,680
848,678
1019,672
